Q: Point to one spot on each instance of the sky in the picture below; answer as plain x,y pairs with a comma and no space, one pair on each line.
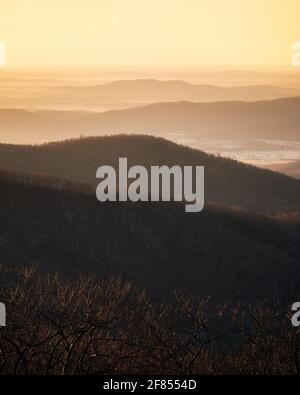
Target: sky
150,35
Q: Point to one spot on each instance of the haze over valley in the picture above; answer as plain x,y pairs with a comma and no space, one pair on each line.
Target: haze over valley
251,117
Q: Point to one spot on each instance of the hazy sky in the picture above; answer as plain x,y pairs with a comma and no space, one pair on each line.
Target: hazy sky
152,35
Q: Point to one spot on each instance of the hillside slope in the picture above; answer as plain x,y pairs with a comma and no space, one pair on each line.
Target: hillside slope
224,253
277,119
227,182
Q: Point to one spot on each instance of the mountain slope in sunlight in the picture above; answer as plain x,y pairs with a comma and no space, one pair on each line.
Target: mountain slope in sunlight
277,119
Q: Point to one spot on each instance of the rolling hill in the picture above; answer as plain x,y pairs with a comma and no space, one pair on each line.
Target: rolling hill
227,254
153,90
227,182
45,93
277,119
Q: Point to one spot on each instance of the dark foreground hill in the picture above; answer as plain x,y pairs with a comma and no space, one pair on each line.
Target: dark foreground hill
227,182
228,254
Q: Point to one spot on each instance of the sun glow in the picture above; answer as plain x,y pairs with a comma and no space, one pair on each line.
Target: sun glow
149,35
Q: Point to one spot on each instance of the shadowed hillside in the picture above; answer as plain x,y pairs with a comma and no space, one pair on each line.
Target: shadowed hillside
227,182
224,253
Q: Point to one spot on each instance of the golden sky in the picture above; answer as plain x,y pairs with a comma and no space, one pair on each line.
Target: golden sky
152,35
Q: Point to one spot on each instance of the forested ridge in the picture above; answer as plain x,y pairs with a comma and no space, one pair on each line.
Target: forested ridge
227,182
220,252
94,288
